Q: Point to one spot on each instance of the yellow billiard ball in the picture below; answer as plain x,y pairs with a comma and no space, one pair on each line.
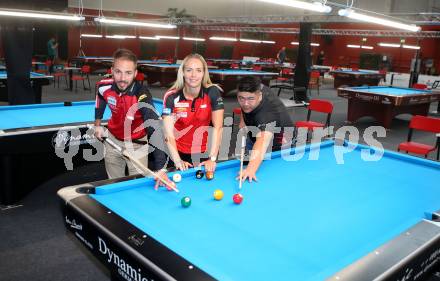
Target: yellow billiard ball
218,194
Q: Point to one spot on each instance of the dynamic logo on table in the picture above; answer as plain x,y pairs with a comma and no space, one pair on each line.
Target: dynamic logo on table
125,270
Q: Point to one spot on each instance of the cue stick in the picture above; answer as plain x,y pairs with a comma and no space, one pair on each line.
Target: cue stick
243,144
138,163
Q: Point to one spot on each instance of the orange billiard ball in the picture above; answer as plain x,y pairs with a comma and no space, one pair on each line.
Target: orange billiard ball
218,194
209,175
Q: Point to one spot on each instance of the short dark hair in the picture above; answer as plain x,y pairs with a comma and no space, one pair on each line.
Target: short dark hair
125,54
249,84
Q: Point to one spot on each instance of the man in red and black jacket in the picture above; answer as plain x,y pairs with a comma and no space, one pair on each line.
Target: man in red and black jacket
134,120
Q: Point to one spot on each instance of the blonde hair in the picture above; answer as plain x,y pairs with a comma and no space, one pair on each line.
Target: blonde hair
180,82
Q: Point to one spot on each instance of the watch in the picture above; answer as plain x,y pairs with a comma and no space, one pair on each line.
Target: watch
213,158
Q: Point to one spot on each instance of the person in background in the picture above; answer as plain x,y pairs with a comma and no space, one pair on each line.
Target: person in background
320,58
281,56
52,52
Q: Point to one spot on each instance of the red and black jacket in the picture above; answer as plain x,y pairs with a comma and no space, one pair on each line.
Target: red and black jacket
191,115
134,109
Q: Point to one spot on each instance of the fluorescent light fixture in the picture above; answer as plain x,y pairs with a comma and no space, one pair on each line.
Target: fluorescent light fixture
193,39
353,46
411,47
250,40
120,36
148,38
167,37
367,47
268,42
361,17
311,44
389,45
134,23
223,38
92,35
315,6
33,14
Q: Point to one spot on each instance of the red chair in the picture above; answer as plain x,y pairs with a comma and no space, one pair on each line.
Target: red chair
140,77
314,81
284,81
317,105
84,74
236,111
59,72
257,67
235,66
426,124
420,86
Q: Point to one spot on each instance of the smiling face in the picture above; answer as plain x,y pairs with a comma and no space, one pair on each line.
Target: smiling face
193,73
124,71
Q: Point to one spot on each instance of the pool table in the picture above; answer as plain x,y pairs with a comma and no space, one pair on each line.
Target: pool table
37,81
32,135
303,220
95,62
224,63
164,73
356,77
385,102
228,78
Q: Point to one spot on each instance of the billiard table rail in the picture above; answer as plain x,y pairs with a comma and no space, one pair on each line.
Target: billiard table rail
133,252
419,96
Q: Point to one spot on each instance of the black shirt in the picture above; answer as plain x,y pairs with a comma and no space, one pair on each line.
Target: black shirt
269,115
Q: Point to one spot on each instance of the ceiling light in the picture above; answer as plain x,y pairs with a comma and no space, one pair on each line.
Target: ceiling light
315,6
148,38
120,36
223,38
33,14
91,35
389,45
353,46
411,47
167,37
311,44
250,40
268,42
193,39
134,23
367,47
361,17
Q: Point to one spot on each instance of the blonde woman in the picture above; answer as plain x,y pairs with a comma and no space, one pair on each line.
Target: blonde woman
191,106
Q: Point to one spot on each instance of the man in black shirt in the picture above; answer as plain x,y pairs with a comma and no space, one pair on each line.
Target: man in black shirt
265,116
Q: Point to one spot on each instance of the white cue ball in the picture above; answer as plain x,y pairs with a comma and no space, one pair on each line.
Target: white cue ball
177,177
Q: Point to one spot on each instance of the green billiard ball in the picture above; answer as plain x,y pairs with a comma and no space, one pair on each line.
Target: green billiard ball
185,201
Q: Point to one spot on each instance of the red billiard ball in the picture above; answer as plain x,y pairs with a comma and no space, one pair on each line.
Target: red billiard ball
237,198
209,175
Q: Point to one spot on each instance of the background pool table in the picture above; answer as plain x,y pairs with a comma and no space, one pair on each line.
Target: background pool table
385,102
164,73
356,77
32,135
228,78
303,220
37,81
